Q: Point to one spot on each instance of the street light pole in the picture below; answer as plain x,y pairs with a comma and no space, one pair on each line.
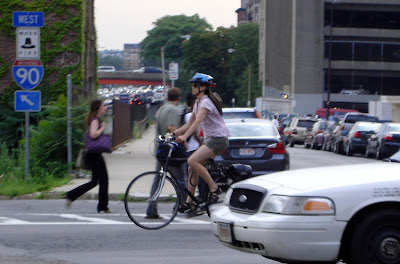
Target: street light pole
248,86
163,63
186,37
248,78
329,77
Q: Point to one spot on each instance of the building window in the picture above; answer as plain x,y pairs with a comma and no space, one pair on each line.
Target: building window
363,51
362,19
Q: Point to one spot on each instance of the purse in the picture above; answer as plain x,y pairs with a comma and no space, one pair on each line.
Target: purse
97,145
81,161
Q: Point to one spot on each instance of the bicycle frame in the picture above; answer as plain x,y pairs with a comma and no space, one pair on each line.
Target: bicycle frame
164,170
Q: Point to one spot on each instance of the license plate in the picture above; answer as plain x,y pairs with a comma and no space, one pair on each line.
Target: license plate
225,232
247,151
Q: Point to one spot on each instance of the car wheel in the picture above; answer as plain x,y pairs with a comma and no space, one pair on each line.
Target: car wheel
334,147
379,155
337,147
368,153
313,145
306,145
340,149
324,146
291,142
349,151
376,239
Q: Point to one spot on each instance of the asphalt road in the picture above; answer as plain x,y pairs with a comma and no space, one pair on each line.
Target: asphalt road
45,232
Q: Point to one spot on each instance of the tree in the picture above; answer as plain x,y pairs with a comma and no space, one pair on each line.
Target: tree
245,40
207,53
168,30
111,61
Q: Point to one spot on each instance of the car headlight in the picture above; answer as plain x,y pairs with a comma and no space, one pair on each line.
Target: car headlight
297,205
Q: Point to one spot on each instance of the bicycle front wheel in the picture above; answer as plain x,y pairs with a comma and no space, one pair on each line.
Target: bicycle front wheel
150,202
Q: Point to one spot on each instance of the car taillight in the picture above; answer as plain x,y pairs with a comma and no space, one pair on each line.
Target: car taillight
357,134
342,128
294,132
318,131
389,137
277,148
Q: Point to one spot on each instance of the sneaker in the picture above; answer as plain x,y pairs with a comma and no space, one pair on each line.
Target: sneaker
106,211
153,216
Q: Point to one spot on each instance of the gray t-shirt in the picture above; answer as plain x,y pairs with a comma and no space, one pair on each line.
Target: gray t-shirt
167,115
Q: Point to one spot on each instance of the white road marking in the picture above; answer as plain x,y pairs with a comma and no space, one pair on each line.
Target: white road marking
12,221
83,220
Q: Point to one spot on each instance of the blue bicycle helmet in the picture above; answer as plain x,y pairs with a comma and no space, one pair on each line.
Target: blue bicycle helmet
202,78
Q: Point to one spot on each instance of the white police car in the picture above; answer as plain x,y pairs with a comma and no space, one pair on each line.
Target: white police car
349,213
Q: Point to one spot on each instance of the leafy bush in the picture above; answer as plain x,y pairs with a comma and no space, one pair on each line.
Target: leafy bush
48,142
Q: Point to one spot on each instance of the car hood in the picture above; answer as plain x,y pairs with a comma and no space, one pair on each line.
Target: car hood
328,177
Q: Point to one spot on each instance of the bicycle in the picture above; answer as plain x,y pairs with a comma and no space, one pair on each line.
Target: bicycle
160,189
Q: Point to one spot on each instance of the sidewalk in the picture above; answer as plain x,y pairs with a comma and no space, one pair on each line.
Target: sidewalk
123,164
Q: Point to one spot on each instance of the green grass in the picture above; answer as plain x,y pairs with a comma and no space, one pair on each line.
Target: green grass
136,134
13,187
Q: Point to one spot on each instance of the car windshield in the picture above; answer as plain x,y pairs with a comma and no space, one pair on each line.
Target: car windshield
306,123
394,128
229,115
323,125
252,130
352,119
367,127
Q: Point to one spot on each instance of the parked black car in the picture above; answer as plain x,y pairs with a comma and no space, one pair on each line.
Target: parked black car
345,126
357,139
255,142
384,142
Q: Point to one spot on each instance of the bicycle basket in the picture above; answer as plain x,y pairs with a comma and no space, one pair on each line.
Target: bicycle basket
239,172
178,155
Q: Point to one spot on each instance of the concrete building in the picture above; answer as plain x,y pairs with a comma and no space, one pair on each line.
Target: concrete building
131,57
348,47
248,12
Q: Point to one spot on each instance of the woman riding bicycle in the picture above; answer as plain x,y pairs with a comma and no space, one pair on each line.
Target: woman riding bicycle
209,117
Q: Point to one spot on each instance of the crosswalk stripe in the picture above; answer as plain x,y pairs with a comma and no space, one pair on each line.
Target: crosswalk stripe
83,220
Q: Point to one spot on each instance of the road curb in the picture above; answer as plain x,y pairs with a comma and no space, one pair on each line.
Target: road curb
59,195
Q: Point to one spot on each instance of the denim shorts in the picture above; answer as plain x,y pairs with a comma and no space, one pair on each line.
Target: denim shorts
217,144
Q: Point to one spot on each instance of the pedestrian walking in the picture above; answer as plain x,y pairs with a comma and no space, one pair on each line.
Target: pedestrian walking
275,121
94,161
207,113
168,119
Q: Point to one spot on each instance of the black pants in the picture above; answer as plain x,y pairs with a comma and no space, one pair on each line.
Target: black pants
99,175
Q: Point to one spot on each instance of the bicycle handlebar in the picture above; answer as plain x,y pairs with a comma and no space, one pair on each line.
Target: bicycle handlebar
170,140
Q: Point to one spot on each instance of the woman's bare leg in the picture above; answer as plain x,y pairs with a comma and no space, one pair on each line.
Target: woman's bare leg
196,161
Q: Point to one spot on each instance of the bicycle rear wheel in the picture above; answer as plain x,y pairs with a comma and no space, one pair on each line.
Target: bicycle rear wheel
145,211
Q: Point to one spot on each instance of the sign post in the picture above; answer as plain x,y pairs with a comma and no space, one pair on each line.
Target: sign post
173,72
28,69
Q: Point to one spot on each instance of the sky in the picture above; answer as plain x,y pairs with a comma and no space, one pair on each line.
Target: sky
127,21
